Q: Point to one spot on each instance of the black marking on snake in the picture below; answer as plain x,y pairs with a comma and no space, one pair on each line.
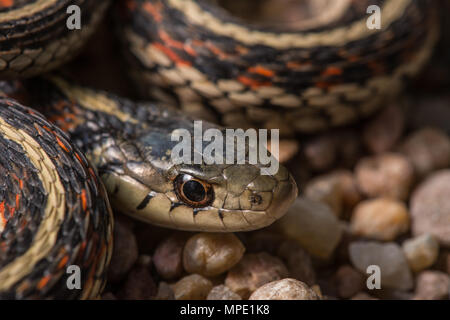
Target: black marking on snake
146,200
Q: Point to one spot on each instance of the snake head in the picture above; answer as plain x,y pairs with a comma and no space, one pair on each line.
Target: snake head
151,187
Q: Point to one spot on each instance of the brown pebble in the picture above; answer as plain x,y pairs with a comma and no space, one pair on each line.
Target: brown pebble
285,289
381,219
428,150
222,292
165,292
348,281
326,190
108,296
298,262
321,152
139,284
125,251
192,287
287,149
421,252
168,257
432,285
386,175
263,240
363,296
383,132
253,271
430,207
211,254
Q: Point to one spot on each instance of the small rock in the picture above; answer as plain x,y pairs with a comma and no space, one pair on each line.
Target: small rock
211,254
443,263
168,257
125,251
139,284
222,292
287,149
380,219
349,148
286,289
363,296
386,175
383,132
313,225
192,287
298,262
326,190
253,271
321,152
421,252
389,257
263,240
165,292
349,282
428,150
430,207
108,296
432,285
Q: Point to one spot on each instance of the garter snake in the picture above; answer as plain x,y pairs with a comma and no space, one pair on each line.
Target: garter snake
192,53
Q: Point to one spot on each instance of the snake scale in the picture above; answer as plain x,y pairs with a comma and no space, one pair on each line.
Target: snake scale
67,151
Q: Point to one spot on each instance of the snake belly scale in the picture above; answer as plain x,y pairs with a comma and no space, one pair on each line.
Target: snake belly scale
62,165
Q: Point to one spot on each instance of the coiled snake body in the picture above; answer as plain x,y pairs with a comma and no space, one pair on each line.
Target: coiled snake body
54,211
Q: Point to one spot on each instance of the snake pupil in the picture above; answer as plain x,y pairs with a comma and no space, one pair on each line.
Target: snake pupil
194,191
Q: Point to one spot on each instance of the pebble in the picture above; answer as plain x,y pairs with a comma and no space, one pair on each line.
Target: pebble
298,262
192,287
338,189
222,292
428,150
165,292
380,219
432,285
139,284
321,152
168,257
285,289
348,281
385,175
443,262
211,254
384,131
395,272
363,296
125,251
263,240
421,252
313,225
349,148
253,271
430,207
326,190
287,149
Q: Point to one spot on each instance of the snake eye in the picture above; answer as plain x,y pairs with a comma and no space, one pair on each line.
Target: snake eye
193,192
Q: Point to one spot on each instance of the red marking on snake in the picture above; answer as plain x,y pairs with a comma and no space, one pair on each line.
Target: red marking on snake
43,282
83,199
332,71
6,3
61,144
254,84
2,212
261,71
154,10
172,55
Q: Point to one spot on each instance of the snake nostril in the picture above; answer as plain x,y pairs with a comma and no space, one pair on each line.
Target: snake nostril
255,199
